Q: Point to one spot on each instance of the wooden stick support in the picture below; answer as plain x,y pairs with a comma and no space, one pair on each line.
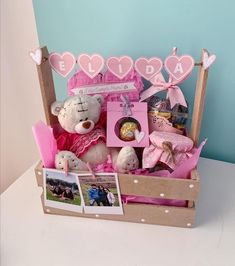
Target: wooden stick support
47,87
199,101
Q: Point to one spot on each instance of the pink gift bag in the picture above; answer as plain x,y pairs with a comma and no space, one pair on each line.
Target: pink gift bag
127,124
108,85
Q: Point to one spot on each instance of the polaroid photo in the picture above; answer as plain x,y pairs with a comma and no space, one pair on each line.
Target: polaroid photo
61,191
101,195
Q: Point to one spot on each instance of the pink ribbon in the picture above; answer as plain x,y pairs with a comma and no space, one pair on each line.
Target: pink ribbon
126,105
174,92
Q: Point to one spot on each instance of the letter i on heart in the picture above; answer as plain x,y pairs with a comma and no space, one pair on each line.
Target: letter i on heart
120,66
91,64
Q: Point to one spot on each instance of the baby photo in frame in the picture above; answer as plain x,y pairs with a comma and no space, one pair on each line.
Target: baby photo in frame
61,191
101,194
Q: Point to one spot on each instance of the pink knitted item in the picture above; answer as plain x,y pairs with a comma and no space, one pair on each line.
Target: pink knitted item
81,80
79,143
168,148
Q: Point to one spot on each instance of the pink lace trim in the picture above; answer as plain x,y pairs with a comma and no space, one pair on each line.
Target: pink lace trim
83,142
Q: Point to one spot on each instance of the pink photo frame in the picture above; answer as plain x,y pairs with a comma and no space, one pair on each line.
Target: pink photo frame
116,118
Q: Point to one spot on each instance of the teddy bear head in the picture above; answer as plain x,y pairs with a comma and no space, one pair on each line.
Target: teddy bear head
79,113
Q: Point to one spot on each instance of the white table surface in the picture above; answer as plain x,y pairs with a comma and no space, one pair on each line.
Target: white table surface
30,238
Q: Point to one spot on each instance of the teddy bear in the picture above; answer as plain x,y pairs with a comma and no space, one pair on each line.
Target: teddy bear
83,122
84,134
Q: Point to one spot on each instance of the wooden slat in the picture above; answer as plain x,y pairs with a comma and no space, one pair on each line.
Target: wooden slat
140,213
159,187
149,186
199,101
39,174
47,87
194,176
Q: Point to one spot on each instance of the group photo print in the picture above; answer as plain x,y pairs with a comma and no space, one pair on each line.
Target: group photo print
101,193
82,192
62,191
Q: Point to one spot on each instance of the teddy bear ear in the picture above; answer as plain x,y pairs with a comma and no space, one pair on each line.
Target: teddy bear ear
56,107
99,98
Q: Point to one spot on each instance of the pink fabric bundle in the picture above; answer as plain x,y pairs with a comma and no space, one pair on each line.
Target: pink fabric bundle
168,148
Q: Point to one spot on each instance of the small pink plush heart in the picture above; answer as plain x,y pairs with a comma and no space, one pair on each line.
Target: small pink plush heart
179,67
208,60
36,56
148,68
91,64
139,135
120,66
63,64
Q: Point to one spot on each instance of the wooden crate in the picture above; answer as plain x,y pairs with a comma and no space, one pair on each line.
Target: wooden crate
159,187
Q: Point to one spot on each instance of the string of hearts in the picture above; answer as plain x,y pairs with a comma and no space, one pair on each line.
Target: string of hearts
177,67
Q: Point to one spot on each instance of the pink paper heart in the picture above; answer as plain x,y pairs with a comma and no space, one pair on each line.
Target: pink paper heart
91,65
179,67
148,68
208,60
139,135
63,64
36,56
120,66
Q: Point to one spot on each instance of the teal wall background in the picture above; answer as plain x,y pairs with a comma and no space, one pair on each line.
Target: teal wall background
148,28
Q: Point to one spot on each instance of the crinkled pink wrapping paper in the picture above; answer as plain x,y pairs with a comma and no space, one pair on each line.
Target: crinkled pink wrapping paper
46,143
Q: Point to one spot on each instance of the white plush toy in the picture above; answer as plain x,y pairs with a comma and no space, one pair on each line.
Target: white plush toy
127,160
68,160
85,137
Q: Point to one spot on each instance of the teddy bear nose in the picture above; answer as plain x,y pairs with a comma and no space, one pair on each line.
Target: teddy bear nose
86,124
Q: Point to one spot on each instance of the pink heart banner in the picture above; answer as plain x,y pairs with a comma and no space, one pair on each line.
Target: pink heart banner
120,66
91,64
148,68
62,64
179,67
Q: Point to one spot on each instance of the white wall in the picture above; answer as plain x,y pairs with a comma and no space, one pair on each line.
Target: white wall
21,104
